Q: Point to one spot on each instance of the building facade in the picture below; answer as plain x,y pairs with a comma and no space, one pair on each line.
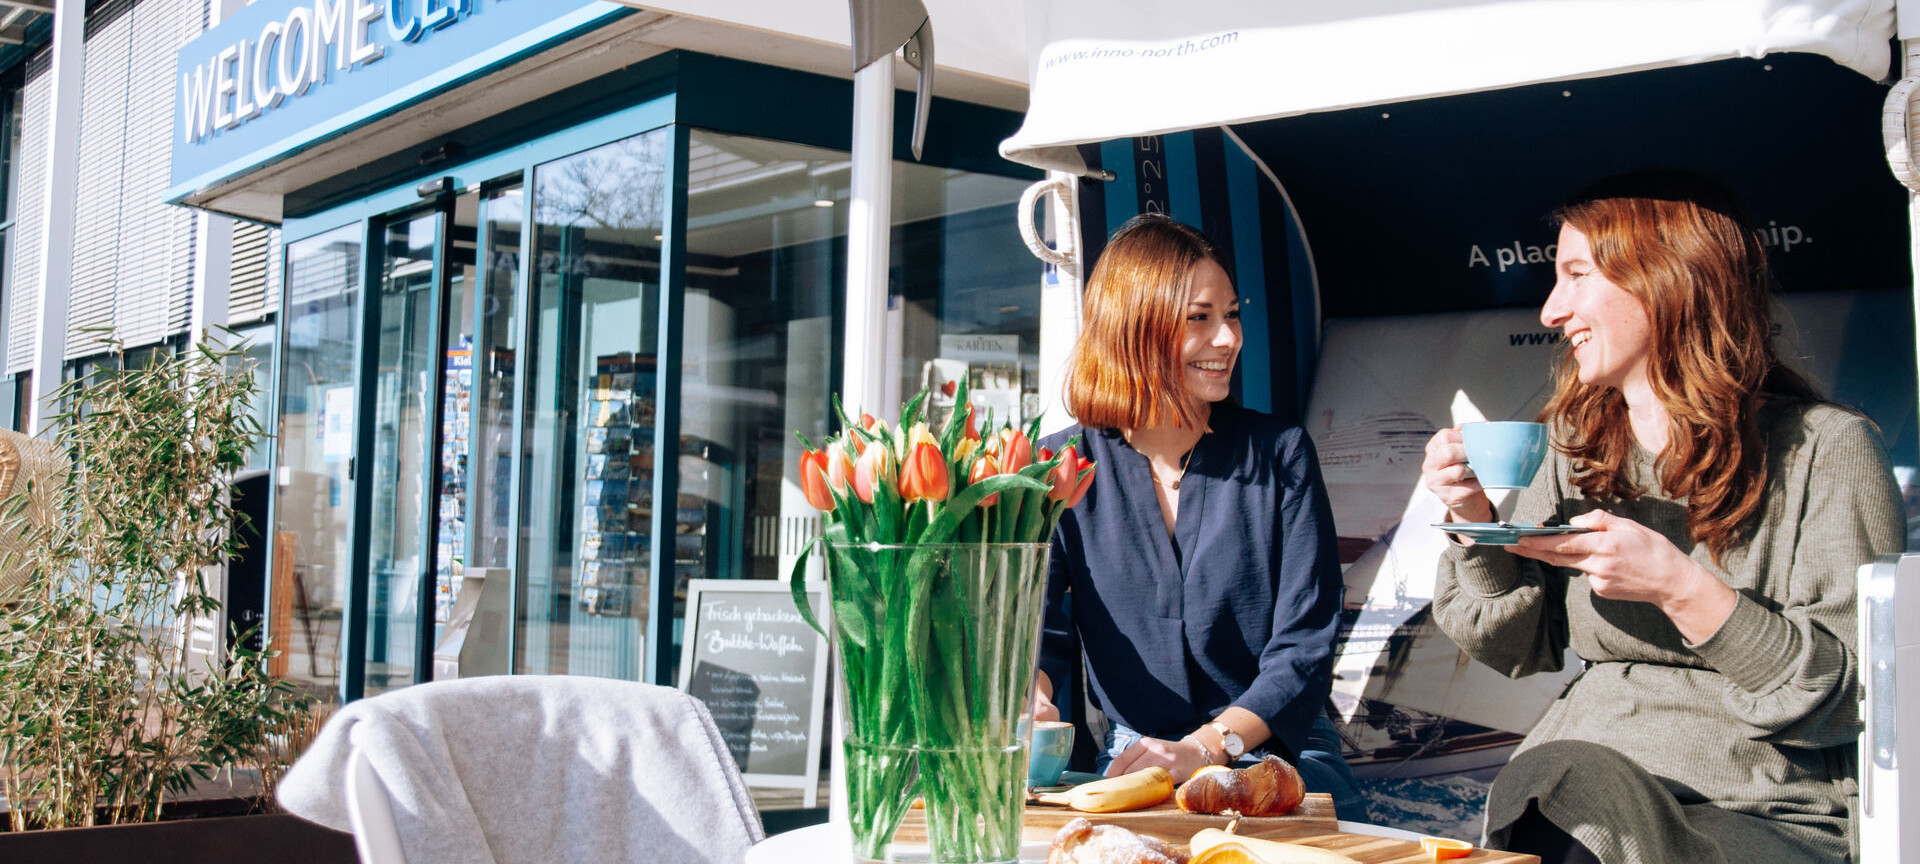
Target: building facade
539,293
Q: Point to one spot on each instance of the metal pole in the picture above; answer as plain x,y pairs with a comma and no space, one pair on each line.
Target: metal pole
868,225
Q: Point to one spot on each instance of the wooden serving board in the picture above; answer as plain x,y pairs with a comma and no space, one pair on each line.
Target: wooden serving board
1313,823
1168,822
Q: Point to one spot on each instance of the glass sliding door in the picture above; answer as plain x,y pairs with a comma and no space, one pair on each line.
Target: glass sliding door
314,485
460,261
404,389
597,222
496,361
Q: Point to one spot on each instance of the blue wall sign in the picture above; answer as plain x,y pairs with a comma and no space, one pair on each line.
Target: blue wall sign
282,75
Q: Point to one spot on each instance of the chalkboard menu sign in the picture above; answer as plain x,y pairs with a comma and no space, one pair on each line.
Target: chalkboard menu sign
762,673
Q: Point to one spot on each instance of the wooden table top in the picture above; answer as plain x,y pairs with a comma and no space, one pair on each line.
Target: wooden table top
1313,823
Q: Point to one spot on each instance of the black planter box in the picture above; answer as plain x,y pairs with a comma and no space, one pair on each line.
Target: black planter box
278,837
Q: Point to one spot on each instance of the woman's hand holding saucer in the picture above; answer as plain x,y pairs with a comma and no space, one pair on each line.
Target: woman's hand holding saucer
1625,560
1444,472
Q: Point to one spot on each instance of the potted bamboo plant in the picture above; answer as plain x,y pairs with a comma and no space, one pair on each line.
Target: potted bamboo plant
104,718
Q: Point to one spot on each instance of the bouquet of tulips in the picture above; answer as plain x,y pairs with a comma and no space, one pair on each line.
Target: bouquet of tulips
936,560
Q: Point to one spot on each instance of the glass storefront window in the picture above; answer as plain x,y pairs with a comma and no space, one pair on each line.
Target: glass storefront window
760,327
313,509
597,222
765,278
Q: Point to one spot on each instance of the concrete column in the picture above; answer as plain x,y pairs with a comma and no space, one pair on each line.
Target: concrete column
205,638
55,276
212,275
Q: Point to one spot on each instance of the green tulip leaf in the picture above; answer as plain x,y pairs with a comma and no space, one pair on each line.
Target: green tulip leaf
957,421
911,414
943,525
798,581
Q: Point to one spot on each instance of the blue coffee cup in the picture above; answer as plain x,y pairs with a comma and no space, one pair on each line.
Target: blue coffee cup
1049,748
1505,454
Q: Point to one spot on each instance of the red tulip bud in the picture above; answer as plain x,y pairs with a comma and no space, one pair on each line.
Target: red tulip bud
972,432
871,424
1068,485
874,468
813,480
982,469
839,466
1012,449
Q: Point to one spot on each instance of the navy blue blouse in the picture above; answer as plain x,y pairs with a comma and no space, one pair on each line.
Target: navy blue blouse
1238,607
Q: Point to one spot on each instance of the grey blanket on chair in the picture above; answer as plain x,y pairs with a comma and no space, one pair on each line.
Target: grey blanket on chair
536,768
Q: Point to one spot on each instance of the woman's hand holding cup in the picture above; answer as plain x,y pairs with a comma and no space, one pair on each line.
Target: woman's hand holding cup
1445,473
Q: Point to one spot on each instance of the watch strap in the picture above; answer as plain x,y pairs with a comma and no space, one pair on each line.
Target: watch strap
1230,744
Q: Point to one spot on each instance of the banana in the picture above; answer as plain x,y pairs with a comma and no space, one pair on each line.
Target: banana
1267,851
1143,788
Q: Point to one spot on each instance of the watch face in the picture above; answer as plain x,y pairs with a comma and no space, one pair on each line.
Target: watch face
1231,741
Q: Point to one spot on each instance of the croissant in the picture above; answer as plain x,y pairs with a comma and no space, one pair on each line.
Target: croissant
1082,842
1271,788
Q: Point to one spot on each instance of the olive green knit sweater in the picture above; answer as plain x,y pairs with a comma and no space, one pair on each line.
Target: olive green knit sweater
1739,748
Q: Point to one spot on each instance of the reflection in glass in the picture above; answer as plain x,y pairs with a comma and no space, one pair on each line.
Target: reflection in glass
256,359
766,240
597,224
403,384
313,508
494,365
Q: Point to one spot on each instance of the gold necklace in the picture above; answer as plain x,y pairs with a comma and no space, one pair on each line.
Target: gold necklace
1184,462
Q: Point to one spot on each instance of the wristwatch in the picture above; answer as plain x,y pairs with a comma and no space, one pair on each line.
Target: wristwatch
1230,742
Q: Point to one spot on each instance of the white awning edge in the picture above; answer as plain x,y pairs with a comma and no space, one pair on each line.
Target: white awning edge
1102,70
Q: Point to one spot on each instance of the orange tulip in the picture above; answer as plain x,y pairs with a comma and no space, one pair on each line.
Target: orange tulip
873,469
813,480
923,475
972,431
982,469
1068,485
839,466
1012,449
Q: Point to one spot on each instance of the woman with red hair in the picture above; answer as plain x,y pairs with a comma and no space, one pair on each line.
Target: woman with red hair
1712,601
1204,587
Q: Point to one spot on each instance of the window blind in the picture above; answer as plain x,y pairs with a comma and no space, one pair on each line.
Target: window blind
36,107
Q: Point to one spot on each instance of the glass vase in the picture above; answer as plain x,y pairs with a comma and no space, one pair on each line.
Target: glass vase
937,645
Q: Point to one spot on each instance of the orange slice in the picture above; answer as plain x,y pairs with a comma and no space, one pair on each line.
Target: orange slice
1442,848
1208,769
1227,853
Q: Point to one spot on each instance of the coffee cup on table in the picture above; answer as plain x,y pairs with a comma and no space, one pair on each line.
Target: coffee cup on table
1505,454
1048,750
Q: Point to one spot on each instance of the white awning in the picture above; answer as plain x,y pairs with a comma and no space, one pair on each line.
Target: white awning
1106,69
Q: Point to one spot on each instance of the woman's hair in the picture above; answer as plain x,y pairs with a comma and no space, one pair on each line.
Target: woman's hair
1124,372
1683,247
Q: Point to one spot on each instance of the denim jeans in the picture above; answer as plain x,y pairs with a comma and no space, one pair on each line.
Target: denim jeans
1321,766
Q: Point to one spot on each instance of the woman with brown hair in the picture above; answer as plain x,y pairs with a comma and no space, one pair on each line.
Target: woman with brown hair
1201,566
1712,601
